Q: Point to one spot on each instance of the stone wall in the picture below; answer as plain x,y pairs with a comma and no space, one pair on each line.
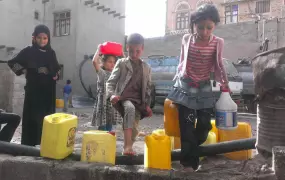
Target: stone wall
30,168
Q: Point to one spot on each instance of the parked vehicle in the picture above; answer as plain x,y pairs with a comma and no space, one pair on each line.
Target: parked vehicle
164,69
244,69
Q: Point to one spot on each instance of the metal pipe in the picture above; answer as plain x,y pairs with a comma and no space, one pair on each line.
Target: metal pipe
207,150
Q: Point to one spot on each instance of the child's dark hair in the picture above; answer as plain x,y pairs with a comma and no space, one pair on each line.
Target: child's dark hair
68,82
135,39
204,12
105,57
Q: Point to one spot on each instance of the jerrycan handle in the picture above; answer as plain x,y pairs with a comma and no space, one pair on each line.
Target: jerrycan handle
158,137
55,120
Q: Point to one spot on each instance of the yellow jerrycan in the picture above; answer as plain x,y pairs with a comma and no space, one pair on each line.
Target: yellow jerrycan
99,146
242,131
161,132
215,129
157,153
59,103
211,139
171,120
58,135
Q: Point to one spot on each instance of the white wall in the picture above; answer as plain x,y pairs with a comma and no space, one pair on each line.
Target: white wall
89,27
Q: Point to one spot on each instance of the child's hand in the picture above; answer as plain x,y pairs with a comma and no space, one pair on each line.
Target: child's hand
55,78
149,111
114,99
226,86
98,52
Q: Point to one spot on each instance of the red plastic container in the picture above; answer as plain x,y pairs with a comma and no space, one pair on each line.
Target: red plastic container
112,48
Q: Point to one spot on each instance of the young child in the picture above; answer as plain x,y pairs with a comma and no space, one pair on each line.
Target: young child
128,88
67,89
11,122
40,66
201,54
104,115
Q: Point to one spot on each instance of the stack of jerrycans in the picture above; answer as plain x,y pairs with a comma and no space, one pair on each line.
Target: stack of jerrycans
171,125
243,131
99,146
58,135
228,127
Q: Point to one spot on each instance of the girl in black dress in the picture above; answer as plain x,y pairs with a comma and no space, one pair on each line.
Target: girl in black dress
40,66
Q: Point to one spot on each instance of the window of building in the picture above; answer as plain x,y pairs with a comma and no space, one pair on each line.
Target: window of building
182,20
36,15
62,23
231,14
262,6
182,17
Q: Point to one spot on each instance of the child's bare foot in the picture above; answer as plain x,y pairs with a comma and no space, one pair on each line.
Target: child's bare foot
142,134
129,152
188,169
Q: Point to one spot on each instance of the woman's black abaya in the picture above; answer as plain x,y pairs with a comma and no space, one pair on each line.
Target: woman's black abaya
41,67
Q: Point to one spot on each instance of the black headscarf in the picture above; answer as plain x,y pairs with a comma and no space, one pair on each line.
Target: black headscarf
41,29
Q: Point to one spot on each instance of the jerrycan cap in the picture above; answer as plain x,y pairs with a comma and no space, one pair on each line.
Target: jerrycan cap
223,89
158,136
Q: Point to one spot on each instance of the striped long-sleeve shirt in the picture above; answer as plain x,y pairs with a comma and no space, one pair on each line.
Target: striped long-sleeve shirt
200,60
197,62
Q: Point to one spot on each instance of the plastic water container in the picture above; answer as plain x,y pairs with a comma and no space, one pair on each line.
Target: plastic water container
58,136
171,119
112,48
215,129
211,139
161,132
226,112
99,146
59,103
242,131
157,152
171,122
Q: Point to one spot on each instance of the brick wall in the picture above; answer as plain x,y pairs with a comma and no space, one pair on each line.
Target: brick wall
246,10
241,39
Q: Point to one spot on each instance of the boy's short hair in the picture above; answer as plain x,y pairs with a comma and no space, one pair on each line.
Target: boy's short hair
135,39
68,82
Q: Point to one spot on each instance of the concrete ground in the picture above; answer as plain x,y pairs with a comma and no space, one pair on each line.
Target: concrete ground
217,164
